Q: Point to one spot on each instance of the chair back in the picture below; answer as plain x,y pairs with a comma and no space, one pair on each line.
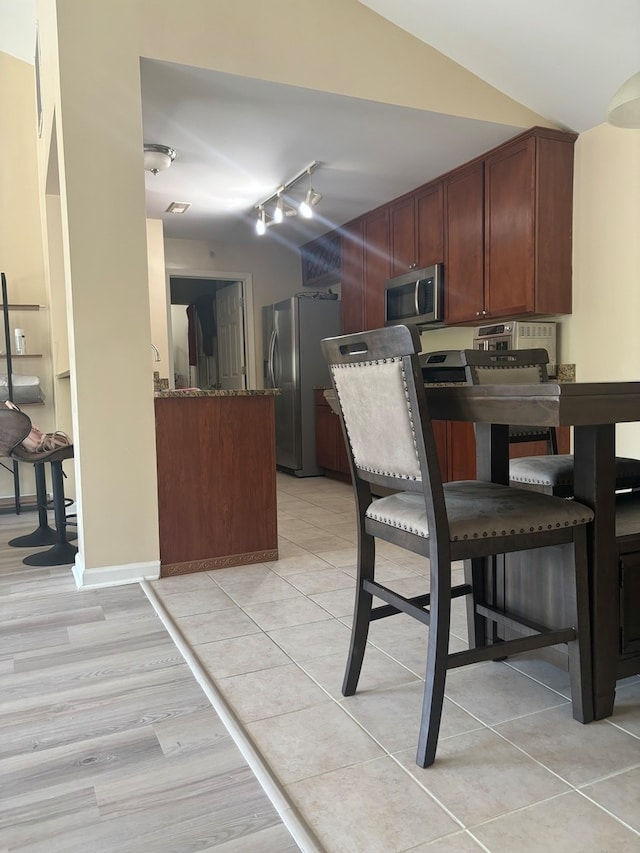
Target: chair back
511,367
15,426
508,367
378,384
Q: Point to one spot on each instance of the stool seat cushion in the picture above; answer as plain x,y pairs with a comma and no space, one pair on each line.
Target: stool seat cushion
56,455
557,470
478,510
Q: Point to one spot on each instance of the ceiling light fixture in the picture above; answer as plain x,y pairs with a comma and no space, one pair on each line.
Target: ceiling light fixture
624,109
286,205
157,158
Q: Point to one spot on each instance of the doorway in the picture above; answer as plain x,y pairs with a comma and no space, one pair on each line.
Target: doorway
210,330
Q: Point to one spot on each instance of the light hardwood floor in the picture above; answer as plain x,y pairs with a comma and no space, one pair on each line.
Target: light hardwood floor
107,742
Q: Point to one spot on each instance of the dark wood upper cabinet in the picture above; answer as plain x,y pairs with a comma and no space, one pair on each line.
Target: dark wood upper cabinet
376,266
416,230
502,224
508,221
464,245
352,276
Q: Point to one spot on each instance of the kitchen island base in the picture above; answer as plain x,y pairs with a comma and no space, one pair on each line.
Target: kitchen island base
216,479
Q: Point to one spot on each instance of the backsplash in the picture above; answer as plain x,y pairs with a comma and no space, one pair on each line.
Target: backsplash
566,373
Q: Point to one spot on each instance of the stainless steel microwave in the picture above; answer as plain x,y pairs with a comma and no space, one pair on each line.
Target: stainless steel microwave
415,297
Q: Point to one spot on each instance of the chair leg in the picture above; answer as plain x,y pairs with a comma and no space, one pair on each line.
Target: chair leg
361,615
43,534
437,658
63,552
580,662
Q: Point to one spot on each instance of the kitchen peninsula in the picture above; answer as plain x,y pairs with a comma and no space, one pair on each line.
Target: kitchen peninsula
216,479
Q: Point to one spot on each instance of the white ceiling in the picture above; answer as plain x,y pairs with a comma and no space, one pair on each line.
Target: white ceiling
564,59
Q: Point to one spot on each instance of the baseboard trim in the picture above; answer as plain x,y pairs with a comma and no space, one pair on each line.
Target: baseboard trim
102,576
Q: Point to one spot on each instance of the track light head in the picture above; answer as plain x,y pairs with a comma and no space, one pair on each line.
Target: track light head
261,224
278,213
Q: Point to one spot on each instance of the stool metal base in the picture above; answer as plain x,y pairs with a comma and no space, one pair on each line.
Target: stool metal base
59,555
43,535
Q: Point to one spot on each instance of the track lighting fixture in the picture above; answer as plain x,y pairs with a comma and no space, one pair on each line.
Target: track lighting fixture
286,204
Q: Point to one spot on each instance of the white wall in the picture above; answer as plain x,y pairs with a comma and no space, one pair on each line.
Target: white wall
276,273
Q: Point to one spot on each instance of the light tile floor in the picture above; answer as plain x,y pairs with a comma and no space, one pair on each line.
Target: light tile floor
514,771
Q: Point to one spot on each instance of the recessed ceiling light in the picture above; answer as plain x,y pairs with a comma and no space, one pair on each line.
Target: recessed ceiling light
178,207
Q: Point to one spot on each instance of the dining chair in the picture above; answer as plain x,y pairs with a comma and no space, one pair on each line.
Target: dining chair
552,474
381,398
15,426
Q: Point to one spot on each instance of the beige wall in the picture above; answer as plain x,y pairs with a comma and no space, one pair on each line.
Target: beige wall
601,336
91,53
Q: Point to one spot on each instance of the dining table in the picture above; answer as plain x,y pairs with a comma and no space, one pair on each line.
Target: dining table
592,409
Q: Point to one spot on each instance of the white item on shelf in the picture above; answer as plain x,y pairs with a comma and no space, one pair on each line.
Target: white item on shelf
21,342
26,389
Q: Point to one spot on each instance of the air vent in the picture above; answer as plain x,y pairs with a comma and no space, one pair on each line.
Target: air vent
178,207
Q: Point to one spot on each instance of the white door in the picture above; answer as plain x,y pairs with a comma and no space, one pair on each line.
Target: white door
230,326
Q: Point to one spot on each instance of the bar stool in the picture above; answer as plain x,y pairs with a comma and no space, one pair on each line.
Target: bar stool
15,426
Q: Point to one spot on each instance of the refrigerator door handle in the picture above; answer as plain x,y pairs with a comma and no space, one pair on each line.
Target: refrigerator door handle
270,360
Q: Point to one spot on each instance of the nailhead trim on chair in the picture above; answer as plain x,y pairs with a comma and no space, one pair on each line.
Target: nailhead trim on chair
405,511
485,534
335,367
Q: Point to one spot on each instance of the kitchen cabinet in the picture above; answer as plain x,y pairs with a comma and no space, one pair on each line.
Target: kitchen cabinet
502,223
528,225
464,245
456,446
416,230
376,266
352,277
628,544
331,452
508,220
216,469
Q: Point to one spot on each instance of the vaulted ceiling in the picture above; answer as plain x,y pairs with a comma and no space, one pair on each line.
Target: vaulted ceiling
563,59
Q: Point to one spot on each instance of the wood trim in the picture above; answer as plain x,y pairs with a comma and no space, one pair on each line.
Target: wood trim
211,563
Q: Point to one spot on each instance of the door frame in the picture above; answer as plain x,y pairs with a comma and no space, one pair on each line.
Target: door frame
249,321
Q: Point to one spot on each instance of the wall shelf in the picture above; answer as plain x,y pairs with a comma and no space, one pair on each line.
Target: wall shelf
7,307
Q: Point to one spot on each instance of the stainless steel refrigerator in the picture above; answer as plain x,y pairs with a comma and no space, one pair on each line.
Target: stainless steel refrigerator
293,362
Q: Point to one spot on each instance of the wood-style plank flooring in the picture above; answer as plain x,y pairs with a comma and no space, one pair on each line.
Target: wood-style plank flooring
107,742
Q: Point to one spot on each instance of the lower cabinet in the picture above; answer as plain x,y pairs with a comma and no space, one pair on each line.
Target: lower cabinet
216,469
331,453
456,446
630,605
628,539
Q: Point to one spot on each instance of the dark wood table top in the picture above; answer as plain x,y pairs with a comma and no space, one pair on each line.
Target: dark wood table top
546,404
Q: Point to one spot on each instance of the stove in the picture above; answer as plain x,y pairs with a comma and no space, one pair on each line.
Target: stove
442,366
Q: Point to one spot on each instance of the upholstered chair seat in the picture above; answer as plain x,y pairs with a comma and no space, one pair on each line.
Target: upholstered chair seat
552,474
